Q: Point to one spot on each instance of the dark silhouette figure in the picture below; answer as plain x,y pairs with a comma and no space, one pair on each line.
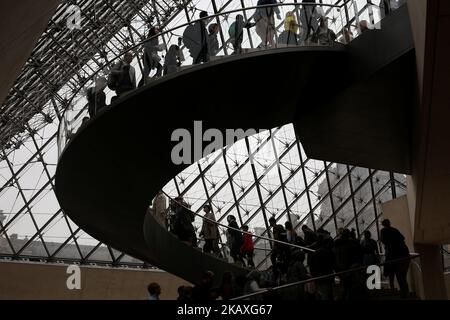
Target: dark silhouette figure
227,288
348,255
310,237
151,58
236,34
182,226
96,96
322,263
369,250
122,77
213,41
202,290
236,240
195,38
154,290
185,293
209,231
247,248
395,247
296,272
280,251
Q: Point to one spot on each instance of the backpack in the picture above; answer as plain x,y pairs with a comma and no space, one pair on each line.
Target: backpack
232,30
189,36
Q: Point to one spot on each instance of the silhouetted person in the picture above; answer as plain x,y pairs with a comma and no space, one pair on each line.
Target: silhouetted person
308,18
322,263
252,285
296,272
154,290
236,240
195,38
310,237
96,96
348,255
247,248
213,41
280,252
209,230
370,251
353,234
385,8
202,290
160,209
347,36
265,22
395,248
174,58
185,293
290,34
324,35
227,288
324,233
291,235
363,26
123,76
236,33
151,58
182,225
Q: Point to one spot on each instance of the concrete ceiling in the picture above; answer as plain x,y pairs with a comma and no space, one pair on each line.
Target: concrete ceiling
22,22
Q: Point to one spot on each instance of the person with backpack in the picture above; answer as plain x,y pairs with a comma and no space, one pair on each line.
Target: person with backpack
122,78
236,33
195,38
96,96
324,35
182,226
371,254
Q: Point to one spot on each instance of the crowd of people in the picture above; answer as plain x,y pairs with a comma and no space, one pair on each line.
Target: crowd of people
294,256
330,256
306,25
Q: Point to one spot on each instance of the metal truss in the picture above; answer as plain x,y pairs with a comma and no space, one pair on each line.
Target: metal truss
284,183
280,181
63,58
60,62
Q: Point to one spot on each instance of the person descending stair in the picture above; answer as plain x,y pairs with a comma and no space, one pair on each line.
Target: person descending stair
209,229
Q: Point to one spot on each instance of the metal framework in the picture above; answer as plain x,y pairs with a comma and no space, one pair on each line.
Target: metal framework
282,181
